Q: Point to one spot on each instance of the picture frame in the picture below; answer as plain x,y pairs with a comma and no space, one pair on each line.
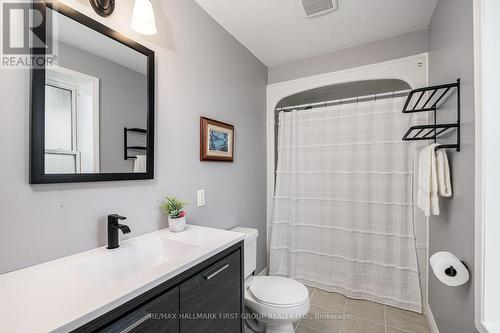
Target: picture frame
216,140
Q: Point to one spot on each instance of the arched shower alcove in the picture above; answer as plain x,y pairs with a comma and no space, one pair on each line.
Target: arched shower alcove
383,78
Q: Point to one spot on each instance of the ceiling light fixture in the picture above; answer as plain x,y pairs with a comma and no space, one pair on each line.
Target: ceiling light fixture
143,17
103,7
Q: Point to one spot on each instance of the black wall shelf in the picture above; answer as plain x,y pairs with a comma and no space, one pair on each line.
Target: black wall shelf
430,99
126,147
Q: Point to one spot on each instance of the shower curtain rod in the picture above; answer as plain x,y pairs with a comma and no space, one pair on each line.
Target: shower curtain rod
341,101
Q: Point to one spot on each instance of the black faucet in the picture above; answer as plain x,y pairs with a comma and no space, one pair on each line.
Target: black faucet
113,227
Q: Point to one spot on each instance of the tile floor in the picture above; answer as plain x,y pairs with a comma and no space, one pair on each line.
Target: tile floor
335,313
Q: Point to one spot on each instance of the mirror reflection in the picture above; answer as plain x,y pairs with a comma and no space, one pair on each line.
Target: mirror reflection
95,103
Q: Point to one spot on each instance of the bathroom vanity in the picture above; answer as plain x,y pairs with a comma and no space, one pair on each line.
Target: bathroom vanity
92,119
159,282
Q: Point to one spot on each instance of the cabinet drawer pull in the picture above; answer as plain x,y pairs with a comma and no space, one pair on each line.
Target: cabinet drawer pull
217,272
137,323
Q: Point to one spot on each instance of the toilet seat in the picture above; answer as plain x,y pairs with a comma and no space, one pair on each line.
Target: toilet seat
276,291
277,301
273,312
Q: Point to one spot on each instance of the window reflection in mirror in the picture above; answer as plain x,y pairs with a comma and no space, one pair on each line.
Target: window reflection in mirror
97,87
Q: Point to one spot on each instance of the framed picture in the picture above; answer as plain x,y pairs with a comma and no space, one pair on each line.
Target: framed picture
216,140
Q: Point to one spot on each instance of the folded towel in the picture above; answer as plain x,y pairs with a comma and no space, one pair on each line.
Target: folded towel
443,173
427,197
140,163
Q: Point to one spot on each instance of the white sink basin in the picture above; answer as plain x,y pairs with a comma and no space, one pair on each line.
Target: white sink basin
131,258
61,295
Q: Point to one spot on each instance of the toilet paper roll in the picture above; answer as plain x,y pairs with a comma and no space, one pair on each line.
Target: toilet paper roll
449,269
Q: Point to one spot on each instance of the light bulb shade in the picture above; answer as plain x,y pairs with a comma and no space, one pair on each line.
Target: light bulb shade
143,17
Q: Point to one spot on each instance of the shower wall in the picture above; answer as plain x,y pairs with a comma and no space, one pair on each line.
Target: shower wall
344,91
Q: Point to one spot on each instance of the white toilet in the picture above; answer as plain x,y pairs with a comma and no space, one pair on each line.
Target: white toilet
272,303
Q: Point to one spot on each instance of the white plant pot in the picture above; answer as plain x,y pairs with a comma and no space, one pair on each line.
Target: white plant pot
176,225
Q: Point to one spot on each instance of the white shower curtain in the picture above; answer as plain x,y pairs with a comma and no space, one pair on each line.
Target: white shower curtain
343,207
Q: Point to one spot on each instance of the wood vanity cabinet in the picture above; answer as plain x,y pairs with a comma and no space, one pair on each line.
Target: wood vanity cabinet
211,300
157,315
207,298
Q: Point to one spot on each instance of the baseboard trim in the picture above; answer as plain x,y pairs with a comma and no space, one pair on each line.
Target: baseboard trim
430,319
481,327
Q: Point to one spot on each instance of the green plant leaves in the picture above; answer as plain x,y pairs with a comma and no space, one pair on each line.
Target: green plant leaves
173,206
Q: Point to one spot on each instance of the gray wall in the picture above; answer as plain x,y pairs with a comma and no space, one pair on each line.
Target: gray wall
383,50
201,70
122,103
451,57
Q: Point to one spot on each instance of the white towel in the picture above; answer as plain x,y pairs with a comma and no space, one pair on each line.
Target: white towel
443,173
427,198
140,163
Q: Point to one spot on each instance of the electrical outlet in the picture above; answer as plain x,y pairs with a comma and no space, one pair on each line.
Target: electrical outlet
201,198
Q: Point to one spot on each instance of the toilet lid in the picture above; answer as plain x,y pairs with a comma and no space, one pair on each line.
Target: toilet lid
280,291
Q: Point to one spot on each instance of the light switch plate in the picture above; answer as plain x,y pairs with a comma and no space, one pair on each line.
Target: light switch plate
201,198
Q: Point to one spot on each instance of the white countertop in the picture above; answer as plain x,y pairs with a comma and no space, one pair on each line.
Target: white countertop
64,294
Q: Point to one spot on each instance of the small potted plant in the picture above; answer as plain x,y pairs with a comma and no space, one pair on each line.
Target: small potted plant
176,216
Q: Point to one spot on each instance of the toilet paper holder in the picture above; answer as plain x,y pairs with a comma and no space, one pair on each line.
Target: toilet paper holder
449,269
452,272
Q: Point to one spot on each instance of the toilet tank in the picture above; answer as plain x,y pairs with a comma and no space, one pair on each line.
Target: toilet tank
250,254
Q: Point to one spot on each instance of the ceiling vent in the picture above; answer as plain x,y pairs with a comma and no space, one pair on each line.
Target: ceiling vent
318,7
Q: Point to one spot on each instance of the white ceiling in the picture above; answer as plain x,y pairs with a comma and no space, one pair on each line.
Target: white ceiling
277,31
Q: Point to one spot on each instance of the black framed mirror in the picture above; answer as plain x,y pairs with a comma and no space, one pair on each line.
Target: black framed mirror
92,101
